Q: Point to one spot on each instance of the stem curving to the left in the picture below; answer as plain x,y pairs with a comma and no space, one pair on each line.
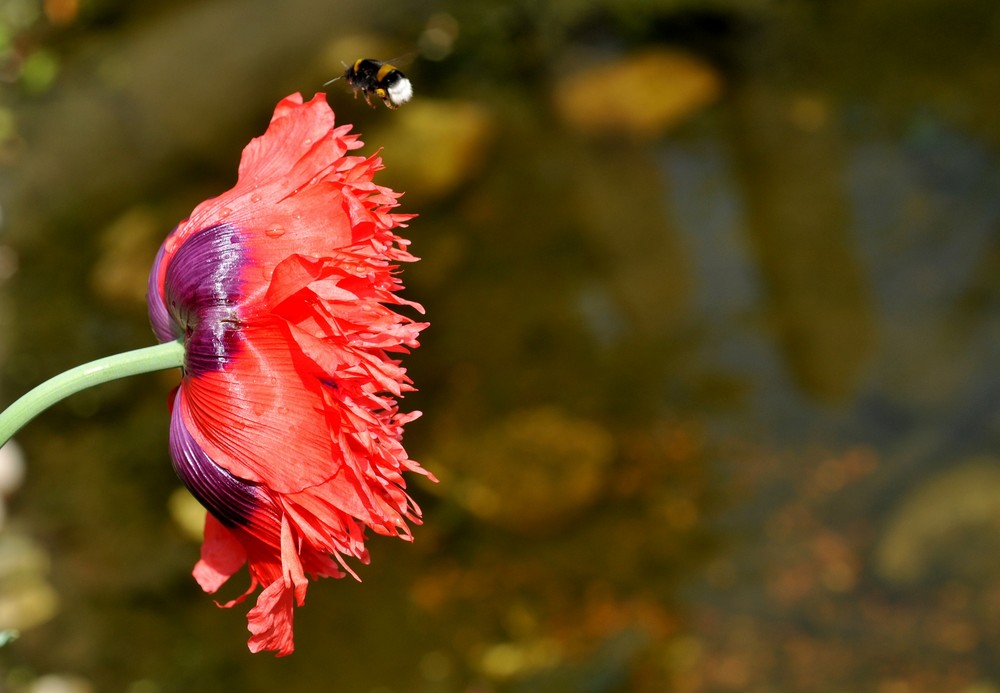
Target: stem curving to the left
145,360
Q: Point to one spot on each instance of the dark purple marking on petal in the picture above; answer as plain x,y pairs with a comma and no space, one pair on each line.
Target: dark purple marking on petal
232,500
202,289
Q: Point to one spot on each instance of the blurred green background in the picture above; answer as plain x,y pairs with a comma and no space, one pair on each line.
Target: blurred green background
712,384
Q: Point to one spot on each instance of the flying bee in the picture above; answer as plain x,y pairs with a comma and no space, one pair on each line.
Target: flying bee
374,77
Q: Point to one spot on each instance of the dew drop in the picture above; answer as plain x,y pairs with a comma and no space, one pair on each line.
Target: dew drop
225,212
255,197
307,141
276,232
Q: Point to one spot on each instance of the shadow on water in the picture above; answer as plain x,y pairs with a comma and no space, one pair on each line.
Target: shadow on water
710,386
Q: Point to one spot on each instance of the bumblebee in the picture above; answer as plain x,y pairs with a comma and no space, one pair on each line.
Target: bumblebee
374,77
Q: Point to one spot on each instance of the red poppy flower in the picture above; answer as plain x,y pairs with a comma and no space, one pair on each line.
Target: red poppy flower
285,425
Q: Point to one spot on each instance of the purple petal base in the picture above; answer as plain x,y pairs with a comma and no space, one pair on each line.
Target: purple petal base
232,500
159,318
201,297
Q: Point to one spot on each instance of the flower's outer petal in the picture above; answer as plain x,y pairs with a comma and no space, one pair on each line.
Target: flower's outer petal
291,566
270,621
281,178
159,317
222,554
231,500
279,190
260,418
285,156
325,531
202,291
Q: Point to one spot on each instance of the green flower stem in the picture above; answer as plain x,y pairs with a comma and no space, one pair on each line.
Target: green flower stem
145,360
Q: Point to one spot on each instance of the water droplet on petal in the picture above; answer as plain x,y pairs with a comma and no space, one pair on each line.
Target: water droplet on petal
307,141
276,232
255,197
225,212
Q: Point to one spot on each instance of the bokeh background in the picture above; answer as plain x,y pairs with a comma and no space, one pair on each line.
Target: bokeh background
713,380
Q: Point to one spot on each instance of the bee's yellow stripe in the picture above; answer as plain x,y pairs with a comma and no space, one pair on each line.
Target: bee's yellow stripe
384,71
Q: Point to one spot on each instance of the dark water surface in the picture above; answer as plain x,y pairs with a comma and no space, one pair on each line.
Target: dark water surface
713,380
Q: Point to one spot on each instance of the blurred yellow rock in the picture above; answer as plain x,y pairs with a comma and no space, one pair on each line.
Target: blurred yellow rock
532,471
945,527
643,94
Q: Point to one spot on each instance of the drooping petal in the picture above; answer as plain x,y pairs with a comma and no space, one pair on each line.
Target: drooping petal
222,554
270,621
